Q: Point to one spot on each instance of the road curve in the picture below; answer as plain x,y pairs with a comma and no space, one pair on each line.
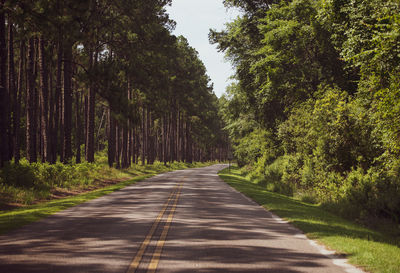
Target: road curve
182,221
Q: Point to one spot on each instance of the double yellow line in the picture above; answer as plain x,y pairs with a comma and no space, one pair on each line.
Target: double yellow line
152,267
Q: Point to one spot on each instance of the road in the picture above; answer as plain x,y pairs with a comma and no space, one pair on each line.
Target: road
182,221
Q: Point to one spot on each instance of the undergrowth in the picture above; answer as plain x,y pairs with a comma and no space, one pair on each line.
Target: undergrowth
377,251
27,183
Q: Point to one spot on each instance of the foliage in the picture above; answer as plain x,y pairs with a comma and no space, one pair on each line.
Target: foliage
28,183
387,103
116,69
374,250
322,78
256,146
14,219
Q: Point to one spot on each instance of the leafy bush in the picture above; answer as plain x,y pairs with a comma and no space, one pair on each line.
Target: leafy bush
275,176
273,173
375,193
257,144
27,182
18,175
332,157
323,78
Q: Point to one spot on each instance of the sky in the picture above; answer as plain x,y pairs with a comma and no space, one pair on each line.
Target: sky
193,20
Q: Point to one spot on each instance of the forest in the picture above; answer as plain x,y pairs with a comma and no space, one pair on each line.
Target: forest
315,109
97,96
83,82
78,77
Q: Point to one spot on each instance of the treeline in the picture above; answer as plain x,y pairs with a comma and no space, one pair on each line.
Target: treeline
78,77
315,111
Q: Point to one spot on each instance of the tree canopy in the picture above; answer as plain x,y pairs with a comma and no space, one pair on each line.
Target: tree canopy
318,92
103,75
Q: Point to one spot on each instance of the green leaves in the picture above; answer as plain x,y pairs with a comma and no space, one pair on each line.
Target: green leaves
322,77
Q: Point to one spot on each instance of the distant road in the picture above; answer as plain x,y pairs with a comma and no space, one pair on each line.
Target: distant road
182,221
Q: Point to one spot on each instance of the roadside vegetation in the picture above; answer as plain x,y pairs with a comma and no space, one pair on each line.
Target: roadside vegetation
82,77
24,183
375,250
315,110
93,93
34,191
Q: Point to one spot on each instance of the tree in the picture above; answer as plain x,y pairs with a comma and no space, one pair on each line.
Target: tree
120,57
4,96
44,98
31,105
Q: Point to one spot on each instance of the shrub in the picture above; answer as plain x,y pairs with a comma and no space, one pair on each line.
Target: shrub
291,177
375,193
277,176
274,172
18,175
29,181
257,144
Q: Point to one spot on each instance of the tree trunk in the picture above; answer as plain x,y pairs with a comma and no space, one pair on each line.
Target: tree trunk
4,97
179,136
168,137
173,134
99,146
85,123
148,136
31,105
134,140
118,146
178,127
18,103
44,95
160,144
38,114
51,109
78,122
137,144
37,108
55,137
129,129
181,145
60,102
111,139
67,103
12,91
126,139
164,139
131,145
124,148
182,137
91,116
143,136
189,157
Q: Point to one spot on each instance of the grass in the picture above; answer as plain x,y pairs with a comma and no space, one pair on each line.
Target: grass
28,183
10,220
369,249
13,219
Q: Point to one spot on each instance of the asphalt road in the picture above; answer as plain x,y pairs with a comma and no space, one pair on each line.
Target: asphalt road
182,221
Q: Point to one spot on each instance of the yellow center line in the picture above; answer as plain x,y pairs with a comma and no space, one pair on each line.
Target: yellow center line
136,261
160,244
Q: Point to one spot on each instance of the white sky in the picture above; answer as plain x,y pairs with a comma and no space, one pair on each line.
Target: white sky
193,20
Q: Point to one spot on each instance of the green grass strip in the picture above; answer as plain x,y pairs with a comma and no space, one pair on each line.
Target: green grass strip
10,220
14,219
368,249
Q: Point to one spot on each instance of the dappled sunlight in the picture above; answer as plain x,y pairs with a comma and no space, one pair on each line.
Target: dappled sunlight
329,229
100,235
214,229
222,231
